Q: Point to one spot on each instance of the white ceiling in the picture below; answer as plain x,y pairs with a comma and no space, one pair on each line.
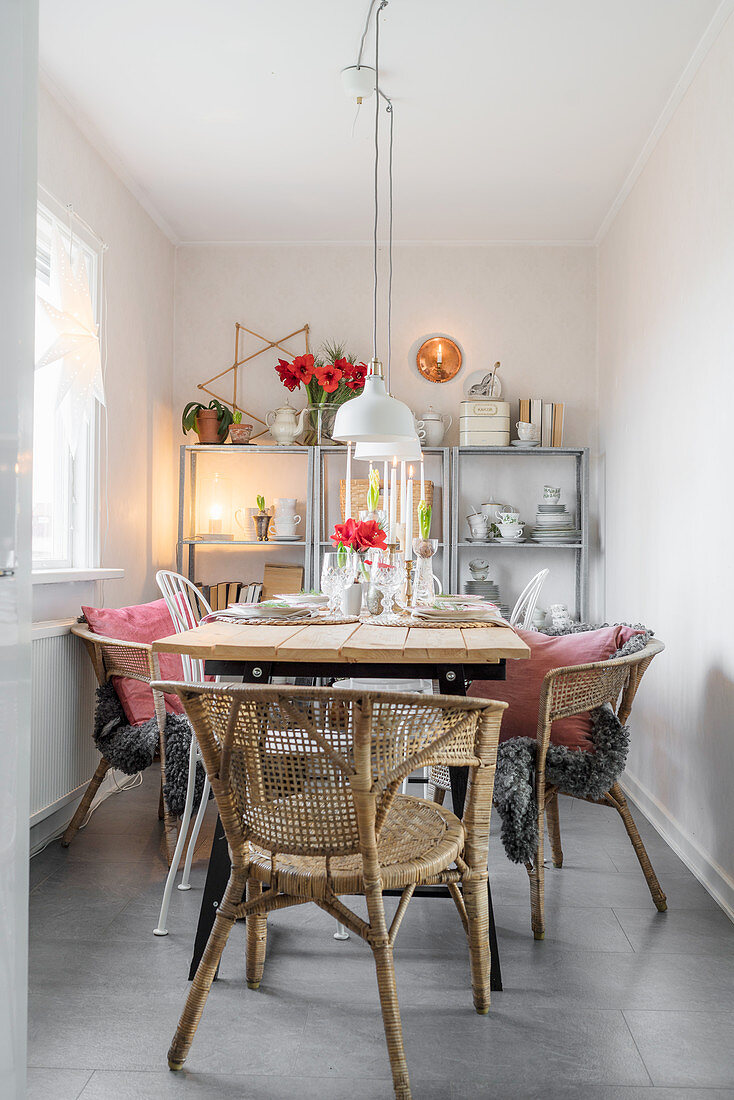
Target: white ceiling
514,119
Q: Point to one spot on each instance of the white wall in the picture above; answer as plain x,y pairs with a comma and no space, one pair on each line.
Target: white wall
666,356
139,269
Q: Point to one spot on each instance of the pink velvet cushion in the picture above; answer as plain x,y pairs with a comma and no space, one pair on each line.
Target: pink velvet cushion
524,681
143,623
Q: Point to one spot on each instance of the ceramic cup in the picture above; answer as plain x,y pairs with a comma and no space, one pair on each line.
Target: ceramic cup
243,519
478,569
551,495
490,509
526,431
477,526
508,515
510,530
285,504
286,527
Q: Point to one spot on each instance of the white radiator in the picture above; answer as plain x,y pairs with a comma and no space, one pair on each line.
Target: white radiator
63,756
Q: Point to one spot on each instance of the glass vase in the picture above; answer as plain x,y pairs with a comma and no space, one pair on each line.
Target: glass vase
424,583
319,424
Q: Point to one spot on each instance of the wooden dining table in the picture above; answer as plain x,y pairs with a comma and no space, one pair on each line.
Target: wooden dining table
254,653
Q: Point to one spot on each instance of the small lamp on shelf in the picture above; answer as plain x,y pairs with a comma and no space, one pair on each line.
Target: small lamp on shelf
215,509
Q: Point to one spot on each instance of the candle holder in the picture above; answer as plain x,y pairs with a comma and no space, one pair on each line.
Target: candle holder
424,582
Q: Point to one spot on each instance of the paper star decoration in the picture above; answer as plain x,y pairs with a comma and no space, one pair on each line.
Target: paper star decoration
76,343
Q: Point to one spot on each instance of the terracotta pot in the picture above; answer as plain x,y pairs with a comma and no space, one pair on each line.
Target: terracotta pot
207,426
240,433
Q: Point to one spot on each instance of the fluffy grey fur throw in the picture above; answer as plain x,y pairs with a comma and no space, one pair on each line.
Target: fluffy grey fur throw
589,774
132,749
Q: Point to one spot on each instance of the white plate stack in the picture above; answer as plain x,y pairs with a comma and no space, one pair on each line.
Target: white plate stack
553,524
489,591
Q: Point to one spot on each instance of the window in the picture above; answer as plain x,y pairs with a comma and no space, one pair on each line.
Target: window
65,486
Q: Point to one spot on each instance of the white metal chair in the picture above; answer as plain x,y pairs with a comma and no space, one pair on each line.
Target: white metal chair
522,612
187,606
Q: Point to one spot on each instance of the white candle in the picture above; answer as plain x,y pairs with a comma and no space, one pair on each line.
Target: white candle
393,502
402,493
423,480
439,357
409,518
385,494
348,488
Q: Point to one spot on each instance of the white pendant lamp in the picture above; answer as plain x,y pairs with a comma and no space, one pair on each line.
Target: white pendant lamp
375,416
385,452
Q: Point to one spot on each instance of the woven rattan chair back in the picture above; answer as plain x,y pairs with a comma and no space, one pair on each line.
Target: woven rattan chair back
294,757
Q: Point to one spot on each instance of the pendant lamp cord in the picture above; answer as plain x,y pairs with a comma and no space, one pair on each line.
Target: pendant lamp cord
376,181
391,113
364,33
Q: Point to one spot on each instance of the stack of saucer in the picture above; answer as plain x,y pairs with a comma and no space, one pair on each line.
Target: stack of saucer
488,590
554,524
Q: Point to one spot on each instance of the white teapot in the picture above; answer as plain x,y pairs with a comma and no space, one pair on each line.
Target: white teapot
285,425
435,426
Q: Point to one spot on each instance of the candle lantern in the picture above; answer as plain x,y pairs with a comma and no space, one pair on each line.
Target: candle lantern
214,509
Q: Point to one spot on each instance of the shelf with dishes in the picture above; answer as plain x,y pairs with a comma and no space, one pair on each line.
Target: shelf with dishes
264,545
520,543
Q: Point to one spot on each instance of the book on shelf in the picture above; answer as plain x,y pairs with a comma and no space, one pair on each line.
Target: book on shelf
524,411
536,412
557,428
546,432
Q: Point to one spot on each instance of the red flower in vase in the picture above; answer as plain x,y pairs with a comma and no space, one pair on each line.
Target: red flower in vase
287,377
359,536
302,367
328,377
355,375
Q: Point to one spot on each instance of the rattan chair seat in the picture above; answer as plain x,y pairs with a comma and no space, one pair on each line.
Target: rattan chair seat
419,839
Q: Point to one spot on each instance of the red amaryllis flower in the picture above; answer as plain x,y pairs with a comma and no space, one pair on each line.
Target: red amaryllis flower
328,377
287,377
354,378
344,533
302,368
367,534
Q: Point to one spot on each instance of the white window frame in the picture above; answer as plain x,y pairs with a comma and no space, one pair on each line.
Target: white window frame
85,481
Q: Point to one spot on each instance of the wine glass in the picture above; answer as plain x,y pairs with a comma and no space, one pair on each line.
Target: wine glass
337,570
387,575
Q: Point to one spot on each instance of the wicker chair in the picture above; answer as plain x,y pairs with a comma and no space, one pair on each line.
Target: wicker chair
306,782
574,690
111,657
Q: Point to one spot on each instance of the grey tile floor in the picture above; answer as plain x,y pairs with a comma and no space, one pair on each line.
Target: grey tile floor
619,1002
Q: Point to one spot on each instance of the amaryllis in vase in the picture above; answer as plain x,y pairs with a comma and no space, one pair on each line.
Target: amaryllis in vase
329,379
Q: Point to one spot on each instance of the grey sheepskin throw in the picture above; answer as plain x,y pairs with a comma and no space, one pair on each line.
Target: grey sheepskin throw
132,749
588,774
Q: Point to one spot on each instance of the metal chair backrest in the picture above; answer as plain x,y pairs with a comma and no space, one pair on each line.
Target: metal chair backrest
187,607
313,771
525,606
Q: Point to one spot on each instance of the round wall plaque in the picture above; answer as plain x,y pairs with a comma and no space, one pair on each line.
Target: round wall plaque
439,359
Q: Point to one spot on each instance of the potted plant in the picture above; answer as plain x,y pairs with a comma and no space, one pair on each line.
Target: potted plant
210,422
261,520
239,433
329,380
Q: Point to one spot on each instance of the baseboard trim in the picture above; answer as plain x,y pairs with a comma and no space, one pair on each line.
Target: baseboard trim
710,874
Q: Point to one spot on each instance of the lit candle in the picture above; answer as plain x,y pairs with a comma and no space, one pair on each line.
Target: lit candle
423,480
439,357
348,487
385,493
409,518
402,493
215,519
393,502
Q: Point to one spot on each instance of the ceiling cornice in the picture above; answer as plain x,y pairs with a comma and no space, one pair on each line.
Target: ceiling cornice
97,141
709,36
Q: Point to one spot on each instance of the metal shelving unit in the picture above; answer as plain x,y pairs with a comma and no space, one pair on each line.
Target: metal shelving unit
189,462
320,505
540,456
321,484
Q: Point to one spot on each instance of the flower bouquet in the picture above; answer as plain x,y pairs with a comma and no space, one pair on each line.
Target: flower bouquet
329,381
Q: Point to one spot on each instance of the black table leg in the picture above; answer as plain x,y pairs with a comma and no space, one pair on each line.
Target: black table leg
217,877
451,682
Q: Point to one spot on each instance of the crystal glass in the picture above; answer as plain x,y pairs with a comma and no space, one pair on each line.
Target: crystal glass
337,571
387,576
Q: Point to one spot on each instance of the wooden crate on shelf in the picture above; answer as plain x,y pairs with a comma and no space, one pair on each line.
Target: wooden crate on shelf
359,498
281,578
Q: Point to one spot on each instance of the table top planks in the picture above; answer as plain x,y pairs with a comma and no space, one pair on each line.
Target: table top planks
345,643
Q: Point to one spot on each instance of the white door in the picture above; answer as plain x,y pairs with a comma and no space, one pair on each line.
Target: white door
18,80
